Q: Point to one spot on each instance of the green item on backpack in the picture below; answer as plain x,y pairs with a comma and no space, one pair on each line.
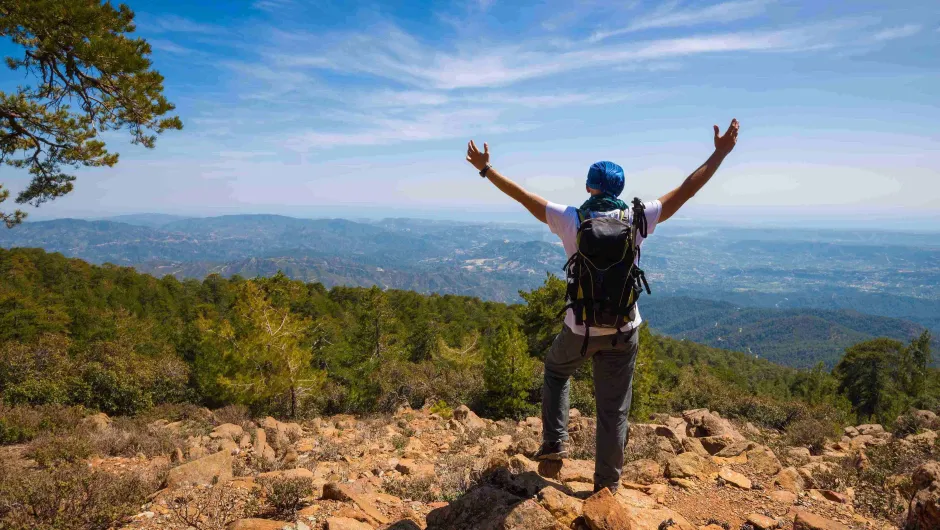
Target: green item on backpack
603,203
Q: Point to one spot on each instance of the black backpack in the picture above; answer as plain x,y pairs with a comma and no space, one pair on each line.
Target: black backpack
604,281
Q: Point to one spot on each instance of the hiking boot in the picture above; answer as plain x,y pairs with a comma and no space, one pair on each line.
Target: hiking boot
612,488
552,451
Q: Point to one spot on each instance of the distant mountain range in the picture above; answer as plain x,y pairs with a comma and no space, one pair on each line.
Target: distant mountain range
793,296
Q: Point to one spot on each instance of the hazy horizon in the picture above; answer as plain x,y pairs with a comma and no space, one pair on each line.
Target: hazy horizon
739,217
288,104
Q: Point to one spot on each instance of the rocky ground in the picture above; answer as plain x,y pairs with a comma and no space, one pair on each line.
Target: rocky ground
419,469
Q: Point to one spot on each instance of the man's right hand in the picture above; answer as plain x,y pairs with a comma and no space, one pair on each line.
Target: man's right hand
475,157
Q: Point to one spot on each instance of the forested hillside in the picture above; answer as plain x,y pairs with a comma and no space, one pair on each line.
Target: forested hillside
793,337
112,339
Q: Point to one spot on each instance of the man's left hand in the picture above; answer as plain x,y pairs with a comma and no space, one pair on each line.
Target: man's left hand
725,143
475,157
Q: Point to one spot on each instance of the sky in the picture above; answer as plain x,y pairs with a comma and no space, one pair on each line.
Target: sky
321,108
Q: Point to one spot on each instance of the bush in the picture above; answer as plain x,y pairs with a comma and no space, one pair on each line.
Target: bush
70,497
212,508
442,409
50,450
884,485
237,414
811,433
286,494
130,436
22,423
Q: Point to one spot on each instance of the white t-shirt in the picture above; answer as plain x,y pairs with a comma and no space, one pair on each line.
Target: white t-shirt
563,222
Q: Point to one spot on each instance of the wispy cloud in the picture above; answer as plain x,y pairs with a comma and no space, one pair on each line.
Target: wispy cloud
178,24
898,32
398,56
669,17
169,47
272,5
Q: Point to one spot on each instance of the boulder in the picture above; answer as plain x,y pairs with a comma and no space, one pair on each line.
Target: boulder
924,510
926,419
689,465
527,515
763,461
260,524
809,521
603,512
346,493
346,523
407,466
734,478
96,422
787,498
761,522
694,445
870,429
481,508
468,418
228,431
213,469
576,471
563,508
644,471
702,423
789,479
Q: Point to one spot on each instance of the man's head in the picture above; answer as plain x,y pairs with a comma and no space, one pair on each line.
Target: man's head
605,178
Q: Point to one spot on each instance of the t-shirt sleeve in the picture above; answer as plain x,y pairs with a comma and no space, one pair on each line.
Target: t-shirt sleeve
653,210
561,219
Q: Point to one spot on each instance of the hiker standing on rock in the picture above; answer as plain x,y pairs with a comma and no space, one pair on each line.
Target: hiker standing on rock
602,239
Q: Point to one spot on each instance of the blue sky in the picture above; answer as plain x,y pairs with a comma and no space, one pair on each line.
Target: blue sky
318,108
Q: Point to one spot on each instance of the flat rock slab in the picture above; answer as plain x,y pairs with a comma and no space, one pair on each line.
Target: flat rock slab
213,469
735,479
811,521
603,512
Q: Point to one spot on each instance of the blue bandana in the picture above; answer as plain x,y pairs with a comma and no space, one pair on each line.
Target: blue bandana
606,177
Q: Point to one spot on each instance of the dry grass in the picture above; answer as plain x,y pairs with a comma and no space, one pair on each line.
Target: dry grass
212,508
70,497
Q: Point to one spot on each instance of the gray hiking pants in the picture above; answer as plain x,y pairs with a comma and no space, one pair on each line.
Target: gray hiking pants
613,391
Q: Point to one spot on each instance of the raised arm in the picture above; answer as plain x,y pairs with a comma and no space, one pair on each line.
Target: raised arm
532,202
674,200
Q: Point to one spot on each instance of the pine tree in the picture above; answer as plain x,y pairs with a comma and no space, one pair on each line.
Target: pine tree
92,76
508,371
870,377
259,351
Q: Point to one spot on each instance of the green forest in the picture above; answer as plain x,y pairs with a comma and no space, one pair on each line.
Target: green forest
111,339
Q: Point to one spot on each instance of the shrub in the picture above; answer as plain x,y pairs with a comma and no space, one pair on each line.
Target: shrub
442,409
237,414
286,494
811,433
50,450
130,436
70,497
22,423
212,508
884,484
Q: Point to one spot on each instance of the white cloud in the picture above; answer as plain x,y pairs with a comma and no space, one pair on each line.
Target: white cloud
272,5
178,24
899,32
397,56
668,17
169,47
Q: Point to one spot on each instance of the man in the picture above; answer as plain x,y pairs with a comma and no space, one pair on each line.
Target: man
613,361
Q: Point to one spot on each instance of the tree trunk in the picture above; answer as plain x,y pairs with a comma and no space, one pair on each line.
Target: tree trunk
293,401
